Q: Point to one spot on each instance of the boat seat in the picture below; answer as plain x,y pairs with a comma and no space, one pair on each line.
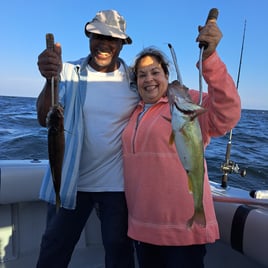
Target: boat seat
20,180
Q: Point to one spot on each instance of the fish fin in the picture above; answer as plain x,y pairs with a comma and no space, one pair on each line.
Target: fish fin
190,186
190,108
198,217
171,138
186,106
172,135
197,113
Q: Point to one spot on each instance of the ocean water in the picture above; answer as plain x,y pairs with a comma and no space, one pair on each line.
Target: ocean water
21,137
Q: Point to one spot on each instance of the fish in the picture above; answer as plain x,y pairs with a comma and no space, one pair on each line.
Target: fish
186,133
56,147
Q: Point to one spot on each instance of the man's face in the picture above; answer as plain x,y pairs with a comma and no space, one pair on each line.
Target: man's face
104,51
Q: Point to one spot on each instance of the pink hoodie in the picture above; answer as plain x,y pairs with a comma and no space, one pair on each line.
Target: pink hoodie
156,184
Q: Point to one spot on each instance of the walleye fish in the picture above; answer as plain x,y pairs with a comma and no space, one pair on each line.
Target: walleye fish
187,135
56,146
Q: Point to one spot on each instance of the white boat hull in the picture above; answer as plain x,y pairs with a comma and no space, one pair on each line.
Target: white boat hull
243,226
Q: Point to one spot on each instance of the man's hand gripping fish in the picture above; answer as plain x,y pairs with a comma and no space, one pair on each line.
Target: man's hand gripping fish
187,135
56,139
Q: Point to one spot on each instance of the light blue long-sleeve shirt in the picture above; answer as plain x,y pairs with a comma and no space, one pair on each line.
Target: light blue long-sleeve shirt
72,89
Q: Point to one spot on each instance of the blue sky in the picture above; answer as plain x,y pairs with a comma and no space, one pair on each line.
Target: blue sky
24,24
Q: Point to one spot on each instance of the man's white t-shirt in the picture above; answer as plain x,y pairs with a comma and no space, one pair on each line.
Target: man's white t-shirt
107,108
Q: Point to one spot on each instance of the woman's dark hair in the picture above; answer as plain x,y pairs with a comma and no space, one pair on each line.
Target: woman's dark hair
153,52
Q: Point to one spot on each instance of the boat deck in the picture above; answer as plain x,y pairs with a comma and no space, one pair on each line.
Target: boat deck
219,255
23,217
21,247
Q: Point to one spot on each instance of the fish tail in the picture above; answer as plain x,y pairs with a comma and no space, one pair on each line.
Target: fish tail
58,202
198,217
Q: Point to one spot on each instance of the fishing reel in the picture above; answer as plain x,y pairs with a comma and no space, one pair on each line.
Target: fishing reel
230,167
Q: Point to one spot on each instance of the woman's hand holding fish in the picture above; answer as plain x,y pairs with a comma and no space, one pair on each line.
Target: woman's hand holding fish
211,35
50,62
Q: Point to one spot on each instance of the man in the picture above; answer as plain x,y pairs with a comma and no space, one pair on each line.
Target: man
98,97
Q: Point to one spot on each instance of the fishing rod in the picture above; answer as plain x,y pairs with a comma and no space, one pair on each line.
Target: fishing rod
173,54
230,166
212,16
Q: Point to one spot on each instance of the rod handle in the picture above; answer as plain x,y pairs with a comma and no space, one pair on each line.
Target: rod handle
54,90
50,41
212,16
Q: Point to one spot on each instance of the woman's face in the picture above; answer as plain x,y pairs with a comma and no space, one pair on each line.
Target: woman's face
151,80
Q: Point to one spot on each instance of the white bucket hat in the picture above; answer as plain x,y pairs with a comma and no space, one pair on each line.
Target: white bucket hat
109,23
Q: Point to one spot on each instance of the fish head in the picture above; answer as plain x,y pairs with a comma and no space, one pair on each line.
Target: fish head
180,100
178,95
176,89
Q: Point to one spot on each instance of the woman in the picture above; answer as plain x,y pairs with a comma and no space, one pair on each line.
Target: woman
156,184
